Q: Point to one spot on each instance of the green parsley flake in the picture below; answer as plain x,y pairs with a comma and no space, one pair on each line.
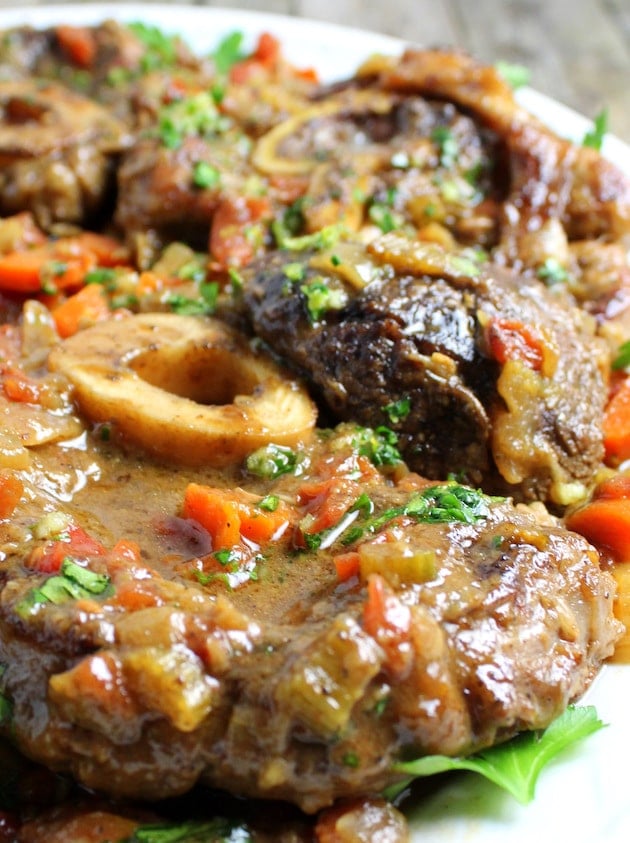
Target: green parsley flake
273,460
205,176
594,138
320,298
228,53
516,75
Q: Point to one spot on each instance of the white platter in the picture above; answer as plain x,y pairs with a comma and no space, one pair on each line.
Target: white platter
583,796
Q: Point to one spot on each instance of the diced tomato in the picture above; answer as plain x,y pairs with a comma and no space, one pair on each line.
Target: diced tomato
347,565
508,339
73,542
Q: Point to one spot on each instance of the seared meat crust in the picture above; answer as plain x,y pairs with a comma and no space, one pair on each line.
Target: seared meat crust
424,334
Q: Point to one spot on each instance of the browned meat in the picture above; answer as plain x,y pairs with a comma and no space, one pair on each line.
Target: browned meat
148,681
552,181
57,150
499,374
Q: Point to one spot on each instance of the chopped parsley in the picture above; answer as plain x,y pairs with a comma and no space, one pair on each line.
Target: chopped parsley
194,831
325,238
516,75
161,50
398,411
72,583
190,116
202,306
381,212
622,358
552,272
320,298
379,445
273,460
269,503
447,145
595,136
205,176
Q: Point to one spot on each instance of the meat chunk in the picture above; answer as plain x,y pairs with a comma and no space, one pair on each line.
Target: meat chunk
455,633
57,150
503,379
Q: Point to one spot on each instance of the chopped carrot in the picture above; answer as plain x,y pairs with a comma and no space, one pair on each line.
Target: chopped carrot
78,43
347,565
229,515
508,339
19,387
30,271
605,520
85,308
616,424
268,49
387,619
133,596
231,243
98,681
126,549
108,251
11,490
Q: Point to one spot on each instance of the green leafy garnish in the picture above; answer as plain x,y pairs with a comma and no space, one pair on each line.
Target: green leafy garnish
552,272
379,445
595,136
516,75
202,306
381,212
196,831
622,358
397,411
228,52
160,48
447,145
325,238
205,175
72,583
363,505
104,275
515,765
272,460
269,503
188,117
320,298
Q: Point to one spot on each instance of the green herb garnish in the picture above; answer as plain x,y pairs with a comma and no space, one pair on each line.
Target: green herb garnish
272,461
516,765
202,306
516,75
320,298
196,831
205,176
72,583
595,136
228,53
325,238
398,411
447,145
379,445
622,358
552,272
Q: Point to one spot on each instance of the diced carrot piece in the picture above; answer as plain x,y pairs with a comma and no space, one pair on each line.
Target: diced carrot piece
509,339
75,542
616,424
78,43
229,515
216,512
605,522
347,565
11,490
108,251
19,387
85,308
230,245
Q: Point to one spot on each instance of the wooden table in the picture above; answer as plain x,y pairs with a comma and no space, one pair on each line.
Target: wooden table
578,51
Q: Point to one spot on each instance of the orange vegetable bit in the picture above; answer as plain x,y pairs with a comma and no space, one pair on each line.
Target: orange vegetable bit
85,308
73,542
616,424
77,43
59,264
231,243
18,386
347,565
508,339
11,491
230,515
605,520
388,620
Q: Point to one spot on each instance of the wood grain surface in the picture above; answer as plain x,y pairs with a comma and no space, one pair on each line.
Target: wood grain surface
578,51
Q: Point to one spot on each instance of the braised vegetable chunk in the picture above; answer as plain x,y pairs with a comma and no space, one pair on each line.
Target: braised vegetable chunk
315,423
